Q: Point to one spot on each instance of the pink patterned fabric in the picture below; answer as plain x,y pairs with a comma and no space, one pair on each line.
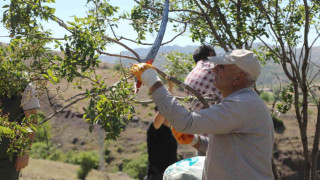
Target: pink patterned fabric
201,78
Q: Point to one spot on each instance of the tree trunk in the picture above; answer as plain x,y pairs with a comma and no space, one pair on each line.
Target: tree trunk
303,122
314,157
306,153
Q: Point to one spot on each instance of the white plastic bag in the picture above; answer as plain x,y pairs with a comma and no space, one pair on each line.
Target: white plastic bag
186,169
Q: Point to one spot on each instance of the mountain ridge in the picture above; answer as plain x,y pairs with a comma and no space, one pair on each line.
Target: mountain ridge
268,71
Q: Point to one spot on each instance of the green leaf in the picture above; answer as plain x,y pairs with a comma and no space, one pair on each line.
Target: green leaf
45,76
49,72
55,79
5,130
71,23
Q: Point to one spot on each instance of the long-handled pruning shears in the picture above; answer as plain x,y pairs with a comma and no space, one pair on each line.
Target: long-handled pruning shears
156,45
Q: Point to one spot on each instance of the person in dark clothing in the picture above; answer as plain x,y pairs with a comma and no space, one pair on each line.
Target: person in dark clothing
162,146
16,107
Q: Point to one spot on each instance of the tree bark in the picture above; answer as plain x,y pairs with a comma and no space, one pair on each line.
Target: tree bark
315,150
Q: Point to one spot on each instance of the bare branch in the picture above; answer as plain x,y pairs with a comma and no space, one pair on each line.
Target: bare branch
212,28
190,98
117,55
316,74
184,30
277,97
314,41
185,86
61,109
270,48
123,45
17,79
219,17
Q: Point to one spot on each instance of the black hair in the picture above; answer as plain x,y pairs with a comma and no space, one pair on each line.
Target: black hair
156,108
202,53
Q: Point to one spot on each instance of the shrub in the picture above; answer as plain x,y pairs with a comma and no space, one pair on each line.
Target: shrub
57,155
277,122
41,134
143,146
136,168
145,105
71,157
267,97
41,142
120,149
39,150
117,66
87,161
107,155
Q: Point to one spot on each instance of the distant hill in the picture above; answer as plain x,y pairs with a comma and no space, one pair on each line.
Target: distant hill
159,60
143,52
267,76
315,54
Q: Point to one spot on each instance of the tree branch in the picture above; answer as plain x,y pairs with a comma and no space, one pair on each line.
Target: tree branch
215,33
184,30
117,55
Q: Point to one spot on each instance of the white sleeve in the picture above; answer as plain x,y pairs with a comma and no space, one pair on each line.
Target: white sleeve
229,116
30,98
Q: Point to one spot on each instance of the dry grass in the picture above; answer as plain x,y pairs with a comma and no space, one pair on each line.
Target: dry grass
39,169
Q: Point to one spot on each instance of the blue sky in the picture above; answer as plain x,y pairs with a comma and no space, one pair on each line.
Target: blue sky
67,8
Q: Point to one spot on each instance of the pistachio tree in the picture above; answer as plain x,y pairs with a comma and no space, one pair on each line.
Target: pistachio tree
27,58
290,26
284,32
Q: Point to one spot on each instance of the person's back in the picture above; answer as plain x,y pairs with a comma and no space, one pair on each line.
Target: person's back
162,150
12,107
17,106
247,149
162,146
201,78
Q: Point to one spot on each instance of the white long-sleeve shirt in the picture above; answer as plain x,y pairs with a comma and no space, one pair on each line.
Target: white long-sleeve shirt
240,133
30,98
